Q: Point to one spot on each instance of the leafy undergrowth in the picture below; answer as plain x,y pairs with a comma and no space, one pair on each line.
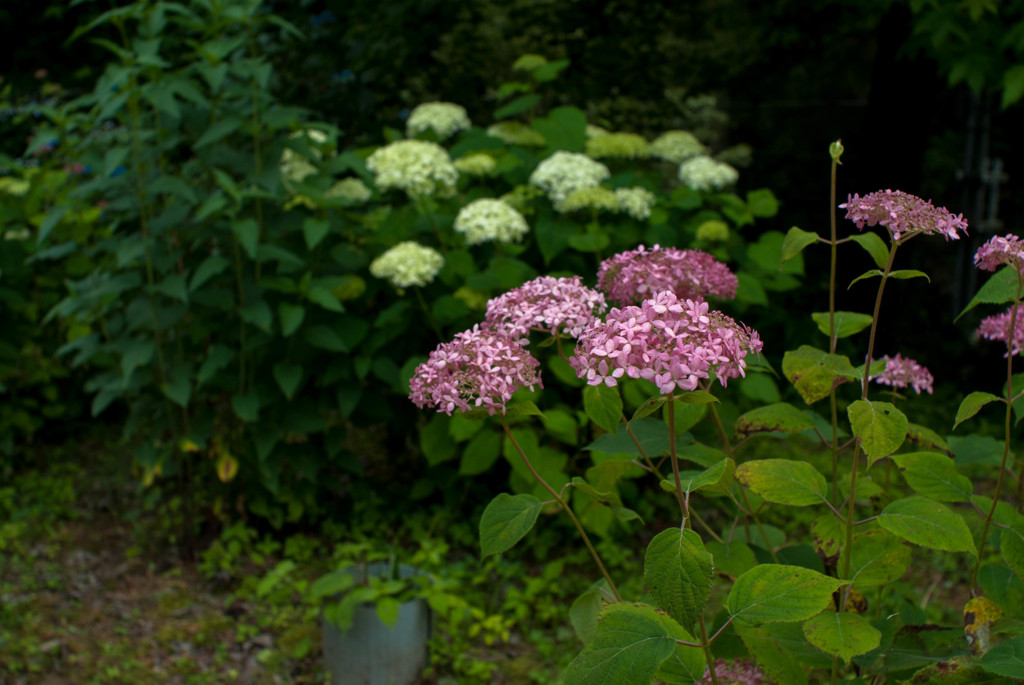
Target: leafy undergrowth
88,597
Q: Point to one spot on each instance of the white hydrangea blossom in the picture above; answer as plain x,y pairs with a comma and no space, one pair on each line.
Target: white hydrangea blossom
418,167
295,167
564,172
637,202
676,146
595,131
443,118
704,173
516,133
486,219
596,198
477,164
407,264
351,188
619,145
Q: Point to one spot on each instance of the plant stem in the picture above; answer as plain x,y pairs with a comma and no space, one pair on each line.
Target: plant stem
568,510
683,508
707,650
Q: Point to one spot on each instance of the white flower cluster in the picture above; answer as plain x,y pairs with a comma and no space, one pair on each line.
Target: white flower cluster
486,219
704,173
676,146
294,167
418,167
408,263
477,164
637,202
351,188
516,133
618,145
443,118
565,172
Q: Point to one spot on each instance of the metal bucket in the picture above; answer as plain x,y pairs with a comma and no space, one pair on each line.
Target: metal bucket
371,653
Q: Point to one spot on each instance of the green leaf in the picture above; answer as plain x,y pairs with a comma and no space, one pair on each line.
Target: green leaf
763,203
630,645
1011,544
907,274
815,373
927,523
218,131
732,557
247,231
774,593
584,614
934,475
773,654
480,453
677,572
247,407
878,558
847,323
923,436
564,128
325,338
217,358
842,634
783,481
1006,659
1013,85
695,397
520,104
325,298
331,584
288,377
795,242
178,389
173,286
136,353
50,222
880,426
315,230
779,417
972,404
716,478
525,408
211,266
291,317
649,407
603,405
1001,288
506,520
436,442
874,246
608,497
871,273
258,314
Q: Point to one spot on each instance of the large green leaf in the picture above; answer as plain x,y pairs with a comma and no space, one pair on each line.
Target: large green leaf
784,481
1000,289
584,614
1006,659
506,520
927,523
795,241
732,557
776,593
878,558
677,571
628,649
603,405
881,427
686,664
288,377
774,656
1011,544
314,231
842,634
971,405
716,478
480,453
934,475
815,373
874,246
291,317
846,323
780,417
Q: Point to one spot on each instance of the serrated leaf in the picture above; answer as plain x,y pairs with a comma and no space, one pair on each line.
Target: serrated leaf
815,373
1006,659
927,523
842,634
774,655
629,647
878,558
506,520
794,243
716,478
783,481
649,407
847,323
603,405
678,571
774,593
288,377
779,417
584,614
880,426
971,405
1001,288
934,475
1011,544
874,246
732,557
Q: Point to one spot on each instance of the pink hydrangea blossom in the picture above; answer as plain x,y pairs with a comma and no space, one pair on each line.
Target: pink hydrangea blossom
737,672
674,343
997,327
629,277
903,213
479,368
1000,250
902,371
546,303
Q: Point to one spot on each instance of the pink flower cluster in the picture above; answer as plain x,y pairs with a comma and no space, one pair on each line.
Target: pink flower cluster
997,328
903,371
998,251
631,276
479,368
668,340
738,672
546,303
903,213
